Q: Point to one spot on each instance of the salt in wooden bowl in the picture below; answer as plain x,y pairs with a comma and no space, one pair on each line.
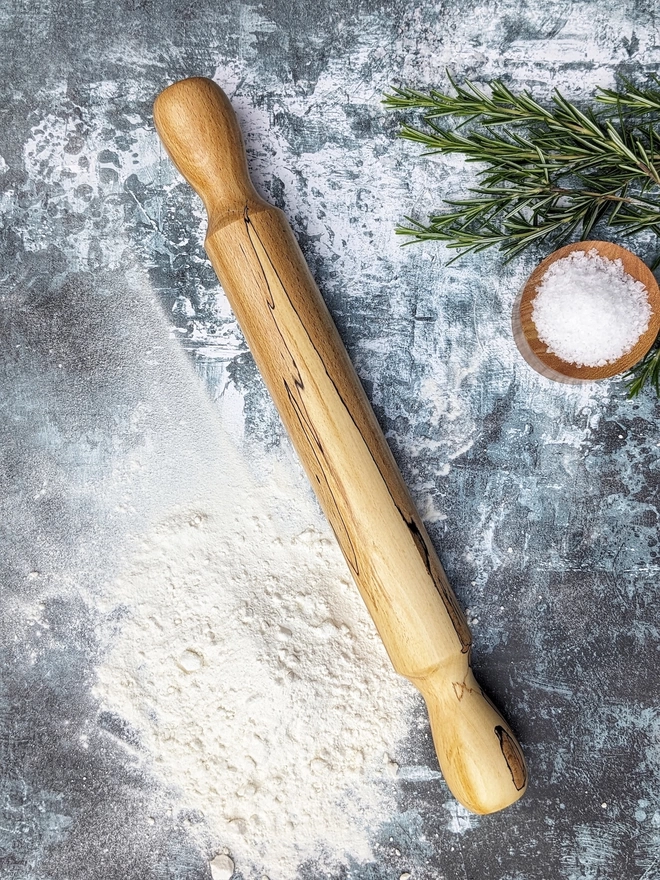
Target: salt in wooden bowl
536,353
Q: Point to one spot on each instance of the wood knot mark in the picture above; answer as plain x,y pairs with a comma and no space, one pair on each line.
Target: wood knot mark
513,757
460,688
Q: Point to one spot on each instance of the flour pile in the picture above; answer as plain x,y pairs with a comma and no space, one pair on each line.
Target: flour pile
257,682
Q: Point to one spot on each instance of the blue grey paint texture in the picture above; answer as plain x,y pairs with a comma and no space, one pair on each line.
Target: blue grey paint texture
542,499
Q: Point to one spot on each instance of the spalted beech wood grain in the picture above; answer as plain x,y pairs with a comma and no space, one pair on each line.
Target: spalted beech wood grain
324,408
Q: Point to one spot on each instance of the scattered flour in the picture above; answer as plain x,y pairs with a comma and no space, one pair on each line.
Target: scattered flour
588,310
260,689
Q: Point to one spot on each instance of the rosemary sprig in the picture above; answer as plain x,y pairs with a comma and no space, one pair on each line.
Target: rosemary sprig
547,174
646,371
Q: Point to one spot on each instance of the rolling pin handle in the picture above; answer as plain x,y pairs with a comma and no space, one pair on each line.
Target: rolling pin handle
199,129
480,759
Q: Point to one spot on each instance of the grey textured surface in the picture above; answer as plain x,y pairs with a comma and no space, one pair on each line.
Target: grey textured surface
542,499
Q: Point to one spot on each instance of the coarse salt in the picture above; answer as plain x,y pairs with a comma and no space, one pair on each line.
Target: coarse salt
588,310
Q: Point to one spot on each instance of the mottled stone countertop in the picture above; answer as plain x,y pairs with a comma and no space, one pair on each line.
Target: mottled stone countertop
542,499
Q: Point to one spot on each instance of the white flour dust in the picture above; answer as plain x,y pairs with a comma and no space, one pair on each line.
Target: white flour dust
258,684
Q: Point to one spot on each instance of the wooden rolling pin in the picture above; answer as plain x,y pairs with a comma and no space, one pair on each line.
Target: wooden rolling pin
332,426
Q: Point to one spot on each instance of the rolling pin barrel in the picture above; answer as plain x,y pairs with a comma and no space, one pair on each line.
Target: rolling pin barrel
334,431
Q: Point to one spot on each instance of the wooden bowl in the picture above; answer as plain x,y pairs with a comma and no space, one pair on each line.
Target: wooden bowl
548,364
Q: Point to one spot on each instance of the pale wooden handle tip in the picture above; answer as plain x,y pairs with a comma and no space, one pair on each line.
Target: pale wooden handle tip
198,126
480,759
